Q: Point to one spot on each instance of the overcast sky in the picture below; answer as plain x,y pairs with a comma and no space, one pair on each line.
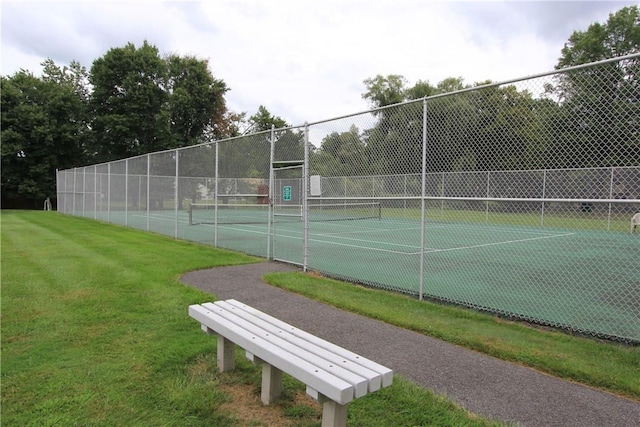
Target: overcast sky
305,60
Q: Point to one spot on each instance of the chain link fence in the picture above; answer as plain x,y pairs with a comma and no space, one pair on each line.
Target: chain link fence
513,198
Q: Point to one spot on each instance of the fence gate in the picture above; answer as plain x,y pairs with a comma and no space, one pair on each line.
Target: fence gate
288,220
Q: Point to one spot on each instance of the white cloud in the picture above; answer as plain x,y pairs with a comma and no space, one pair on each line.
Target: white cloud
306,60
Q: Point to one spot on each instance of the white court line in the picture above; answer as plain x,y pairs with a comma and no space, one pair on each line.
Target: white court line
391,244
364,247
473,228
369,230
499,243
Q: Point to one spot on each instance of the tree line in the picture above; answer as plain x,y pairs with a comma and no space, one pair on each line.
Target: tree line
584,118
134,101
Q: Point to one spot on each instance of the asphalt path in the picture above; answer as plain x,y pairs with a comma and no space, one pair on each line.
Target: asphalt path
482,384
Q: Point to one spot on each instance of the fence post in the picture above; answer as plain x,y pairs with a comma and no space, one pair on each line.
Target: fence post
126,192
176,195
422,199
109,192
305,207
270,225
148,188
215,199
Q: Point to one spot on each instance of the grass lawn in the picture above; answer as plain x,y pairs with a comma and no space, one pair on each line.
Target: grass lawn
95,331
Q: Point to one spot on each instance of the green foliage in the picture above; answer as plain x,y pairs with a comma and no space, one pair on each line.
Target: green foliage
263,120
588,113
132,102
341,154
383,91
143,103
599,105
44,126
619,36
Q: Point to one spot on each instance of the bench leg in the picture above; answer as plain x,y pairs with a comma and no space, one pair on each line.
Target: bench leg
271,384
334,414
226,354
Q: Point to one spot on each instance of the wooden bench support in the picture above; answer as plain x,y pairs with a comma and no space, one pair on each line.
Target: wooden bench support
333,375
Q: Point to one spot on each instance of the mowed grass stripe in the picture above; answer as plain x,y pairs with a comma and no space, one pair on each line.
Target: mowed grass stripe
95,332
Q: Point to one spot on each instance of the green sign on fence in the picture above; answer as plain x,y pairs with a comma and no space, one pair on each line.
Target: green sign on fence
286,193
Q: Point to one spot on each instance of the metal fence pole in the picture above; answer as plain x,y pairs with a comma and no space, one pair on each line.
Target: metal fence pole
423,198
126,192
270,225
215,197
176,201
109,192
148,190
305,206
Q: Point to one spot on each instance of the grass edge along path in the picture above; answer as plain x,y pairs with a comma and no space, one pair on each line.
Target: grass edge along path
95,331
609,366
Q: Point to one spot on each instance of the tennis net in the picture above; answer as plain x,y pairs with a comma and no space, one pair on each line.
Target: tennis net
210,213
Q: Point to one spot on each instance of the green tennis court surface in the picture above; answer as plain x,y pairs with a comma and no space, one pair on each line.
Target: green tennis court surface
559,277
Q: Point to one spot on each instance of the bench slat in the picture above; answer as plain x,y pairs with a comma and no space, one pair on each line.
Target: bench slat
374,379
234,315
386,373
319,379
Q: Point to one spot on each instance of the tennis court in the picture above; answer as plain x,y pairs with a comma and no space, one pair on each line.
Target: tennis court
559,277
526,204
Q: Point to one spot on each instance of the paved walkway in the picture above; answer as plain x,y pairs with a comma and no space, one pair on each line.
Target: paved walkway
484,385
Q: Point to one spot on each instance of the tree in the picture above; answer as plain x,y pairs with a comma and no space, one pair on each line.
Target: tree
144,103
43,127
127,101
384,91
195,101
262,120
345,152
600,105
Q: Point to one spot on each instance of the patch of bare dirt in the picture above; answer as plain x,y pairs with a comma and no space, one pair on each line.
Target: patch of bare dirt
245,404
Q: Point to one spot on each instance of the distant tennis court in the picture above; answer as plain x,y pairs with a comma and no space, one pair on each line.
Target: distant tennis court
459,264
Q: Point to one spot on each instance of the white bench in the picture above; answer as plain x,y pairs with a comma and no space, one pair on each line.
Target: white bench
333,375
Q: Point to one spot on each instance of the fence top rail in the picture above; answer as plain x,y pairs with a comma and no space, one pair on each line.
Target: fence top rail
480,199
